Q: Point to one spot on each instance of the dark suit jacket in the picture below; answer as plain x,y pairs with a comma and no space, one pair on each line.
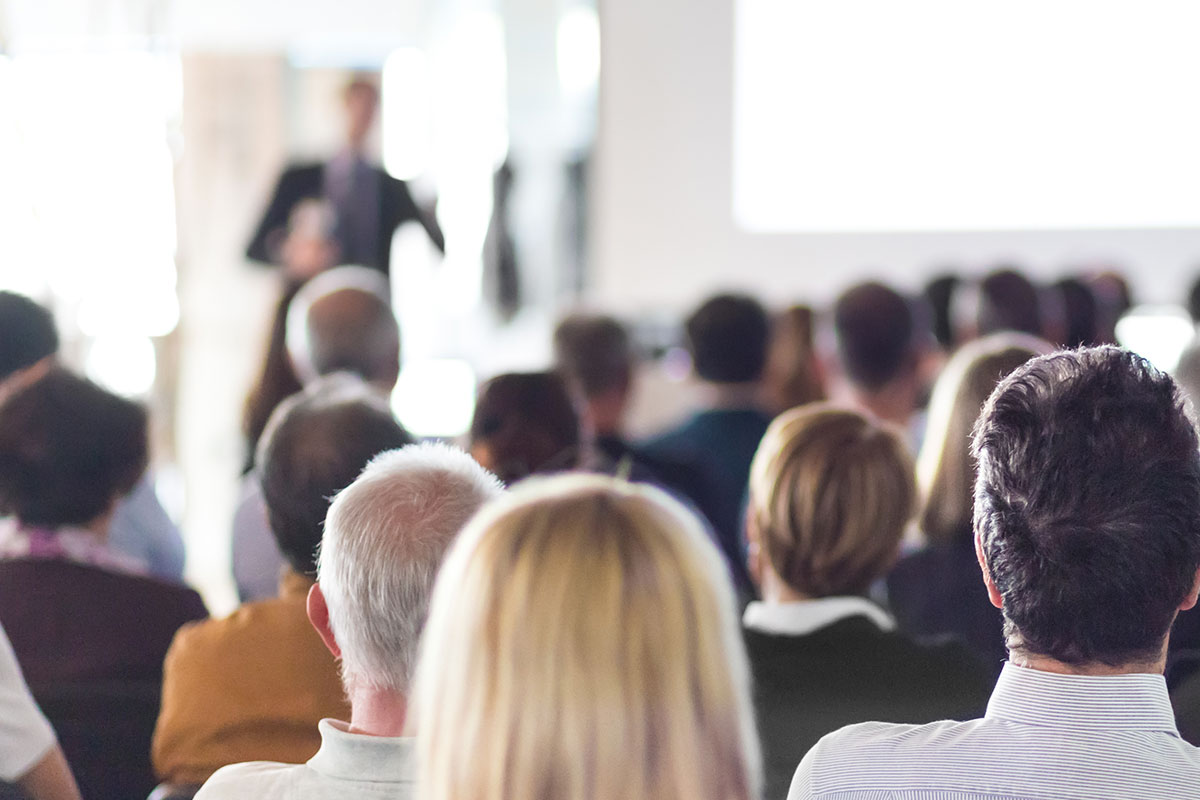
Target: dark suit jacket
850,672
307,182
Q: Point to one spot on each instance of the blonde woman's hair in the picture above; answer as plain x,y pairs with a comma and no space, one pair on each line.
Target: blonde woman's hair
831,492
583,645
945,471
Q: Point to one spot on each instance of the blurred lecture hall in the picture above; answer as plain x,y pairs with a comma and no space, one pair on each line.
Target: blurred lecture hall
599,400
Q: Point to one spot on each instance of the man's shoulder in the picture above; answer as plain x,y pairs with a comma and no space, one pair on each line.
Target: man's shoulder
255,779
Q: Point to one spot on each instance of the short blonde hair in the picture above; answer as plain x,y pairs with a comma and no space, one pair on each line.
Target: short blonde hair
582,645
945,470
831,492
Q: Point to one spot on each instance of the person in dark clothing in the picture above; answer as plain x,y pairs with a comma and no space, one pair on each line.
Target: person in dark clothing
936,591
727,337
830,495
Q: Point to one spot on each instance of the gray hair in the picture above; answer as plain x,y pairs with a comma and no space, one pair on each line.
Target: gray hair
342,320
385,536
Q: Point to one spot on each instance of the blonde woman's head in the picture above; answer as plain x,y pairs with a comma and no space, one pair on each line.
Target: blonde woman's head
945,471
831,492
583,645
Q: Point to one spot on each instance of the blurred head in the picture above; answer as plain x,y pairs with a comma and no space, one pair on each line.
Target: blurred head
830,495
945,470
877,340
1087,506
1008,301
939,294
792,376
361,100
727,337
315,444
28,338
583,643
1080,313
68,450
385,537
342,321
594,356
524,423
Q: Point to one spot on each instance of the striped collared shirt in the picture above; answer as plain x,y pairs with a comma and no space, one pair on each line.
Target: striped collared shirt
1044,737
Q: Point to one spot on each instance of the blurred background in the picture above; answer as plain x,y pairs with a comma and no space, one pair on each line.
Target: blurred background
626,156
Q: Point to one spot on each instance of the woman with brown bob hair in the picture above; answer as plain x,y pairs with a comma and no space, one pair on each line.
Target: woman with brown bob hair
831,492
938,590
582,644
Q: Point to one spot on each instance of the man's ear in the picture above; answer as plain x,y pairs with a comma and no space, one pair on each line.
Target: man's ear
993,592
318,615
1190,600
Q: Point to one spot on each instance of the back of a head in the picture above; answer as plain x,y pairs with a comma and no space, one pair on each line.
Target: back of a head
939,294
27,333
385,537
583,644
524,423
1080,313
876,335
727,337
945,470
68,450
1087,505
831,492
342,321
593,353
315,445
1008,301
792,377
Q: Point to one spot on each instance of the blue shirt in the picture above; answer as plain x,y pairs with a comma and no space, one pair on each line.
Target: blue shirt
1044,737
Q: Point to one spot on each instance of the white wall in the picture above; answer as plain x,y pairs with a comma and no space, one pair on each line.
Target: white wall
663,233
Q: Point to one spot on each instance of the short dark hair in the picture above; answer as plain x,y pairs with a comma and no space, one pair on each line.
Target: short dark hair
939,294
727,336
876,334
1008,301
528,423
593,353
1080,312
1087,505
315,445
27,333
68,449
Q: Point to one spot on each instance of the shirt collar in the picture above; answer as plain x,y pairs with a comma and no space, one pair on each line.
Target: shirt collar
359,757
1128,702
805,616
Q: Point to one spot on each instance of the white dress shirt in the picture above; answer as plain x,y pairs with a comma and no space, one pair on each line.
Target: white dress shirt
803,617
1044,737
348,766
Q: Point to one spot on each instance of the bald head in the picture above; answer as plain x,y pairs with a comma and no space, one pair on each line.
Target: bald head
341,321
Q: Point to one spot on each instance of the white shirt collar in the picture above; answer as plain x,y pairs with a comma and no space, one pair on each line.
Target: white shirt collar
806,616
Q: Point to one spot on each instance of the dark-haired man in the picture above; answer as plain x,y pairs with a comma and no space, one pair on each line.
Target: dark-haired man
1087,523
253,686
879,345
727,337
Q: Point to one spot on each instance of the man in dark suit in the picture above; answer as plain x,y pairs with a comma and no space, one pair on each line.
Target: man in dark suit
367,203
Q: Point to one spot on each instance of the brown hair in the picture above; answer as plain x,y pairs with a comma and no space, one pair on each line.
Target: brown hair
945,470
791,378
831,492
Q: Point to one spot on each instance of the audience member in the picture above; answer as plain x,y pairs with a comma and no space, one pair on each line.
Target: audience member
526,423
340,321
385,536
727,337
30,756
1008,301
89,629
830,495
582,644
253,686
936,590
1080,312
140,527
879,348
939,295
792,376
594,355
1113,298
1087,518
